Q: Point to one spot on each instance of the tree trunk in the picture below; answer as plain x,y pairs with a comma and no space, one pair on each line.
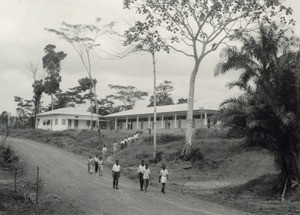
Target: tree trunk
96,106
189,118
91,123
52,101
154,107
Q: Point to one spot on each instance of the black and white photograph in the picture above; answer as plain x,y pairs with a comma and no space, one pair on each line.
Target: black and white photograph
149,107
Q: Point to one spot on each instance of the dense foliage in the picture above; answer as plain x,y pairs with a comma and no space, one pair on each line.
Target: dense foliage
267,113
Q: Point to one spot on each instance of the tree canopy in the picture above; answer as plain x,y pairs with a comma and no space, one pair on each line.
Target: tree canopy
127,95
196,28
163,94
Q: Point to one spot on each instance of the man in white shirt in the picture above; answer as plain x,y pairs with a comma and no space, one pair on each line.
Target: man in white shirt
122,144
116,170
141,170
146,176
104,152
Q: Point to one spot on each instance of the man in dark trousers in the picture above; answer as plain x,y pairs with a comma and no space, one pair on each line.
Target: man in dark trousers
141,170
116,170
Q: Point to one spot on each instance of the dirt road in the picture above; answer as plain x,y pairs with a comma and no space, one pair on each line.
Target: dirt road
65,174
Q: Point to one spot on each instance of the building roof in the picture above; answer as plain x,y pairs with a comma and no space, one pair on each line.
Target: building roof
165,109
67,111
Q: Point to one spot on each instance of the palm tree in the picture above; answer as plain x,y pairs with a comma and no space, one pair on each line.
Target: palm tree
267,113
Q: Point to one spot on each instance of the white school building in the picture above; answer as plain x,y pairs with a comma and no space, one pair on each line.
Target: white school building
68,118
168,117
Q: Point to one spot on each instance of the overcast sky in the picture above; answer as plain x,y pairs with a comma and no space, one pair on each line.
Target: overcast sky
23,38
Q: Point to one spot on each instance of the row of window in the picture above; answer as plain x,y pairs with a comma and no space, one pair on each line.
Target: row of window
165,118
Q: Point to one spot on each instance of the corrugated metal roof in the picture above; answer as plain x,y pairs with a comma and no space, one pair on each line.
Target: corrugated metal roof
165,109
67,111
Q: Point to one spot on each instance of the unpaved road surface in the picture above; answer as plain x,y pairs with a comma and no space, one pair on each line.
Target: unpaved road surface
65,174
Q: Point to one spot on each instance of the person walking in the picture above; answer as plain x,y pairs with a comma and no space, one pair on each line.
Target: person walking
96,160
100,166
89,164
141,170
163,177
146,177
115,147
116,171
104,152
122,144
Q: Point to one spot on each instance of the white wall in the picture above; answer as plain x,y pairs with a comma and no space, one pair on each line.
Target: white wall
59,126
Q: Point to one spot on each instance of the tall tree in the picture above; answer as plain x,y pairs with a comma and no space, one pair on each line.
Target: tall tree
38,89
4,128
25,111
163,94
201,26
268,113
51,63
127,95
141,39
83,39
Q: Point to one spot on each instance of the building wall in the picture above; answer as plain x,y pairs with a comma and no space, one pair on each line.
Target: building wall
167,123
82,122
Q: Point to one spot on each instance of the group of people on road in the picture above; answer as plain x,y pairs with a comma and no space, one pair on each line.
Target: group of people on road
143,171
96,162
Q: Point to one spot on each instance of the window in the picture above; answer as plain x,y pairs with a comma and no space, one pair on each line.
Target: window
76,116
197,116
168,118
181,117
94,124
48,122
69,122
88,123
63,122
56,121
76,122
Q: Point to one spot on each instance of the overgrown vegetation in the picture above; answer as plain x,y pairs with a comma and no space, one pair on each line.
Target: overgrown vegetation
268,113
164,138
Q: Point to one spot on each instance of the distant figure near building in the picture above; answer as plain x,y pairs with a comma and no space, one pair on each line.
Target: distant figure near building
116,171
147,177
149,128
141,170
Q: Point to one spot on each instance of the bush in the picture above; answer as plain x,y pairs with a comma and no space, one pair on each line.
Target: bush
210,133
158,157
143,155
195,155
165,138
8,155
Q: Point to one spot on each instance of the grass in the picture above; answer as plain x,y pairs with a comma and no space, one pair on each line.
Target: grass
216,159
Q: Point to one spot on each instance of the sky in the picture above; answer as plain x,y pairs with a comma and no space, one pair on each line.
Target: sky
23,38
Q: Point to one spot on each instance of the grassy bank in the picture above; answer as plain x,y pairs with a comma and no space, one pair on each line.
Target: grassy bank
221,169
20,197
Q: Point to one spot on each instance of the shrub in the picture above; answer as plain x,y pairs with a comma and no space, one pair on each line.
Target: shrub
158,157
165,138
143,155
7,154
195,155
210,133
